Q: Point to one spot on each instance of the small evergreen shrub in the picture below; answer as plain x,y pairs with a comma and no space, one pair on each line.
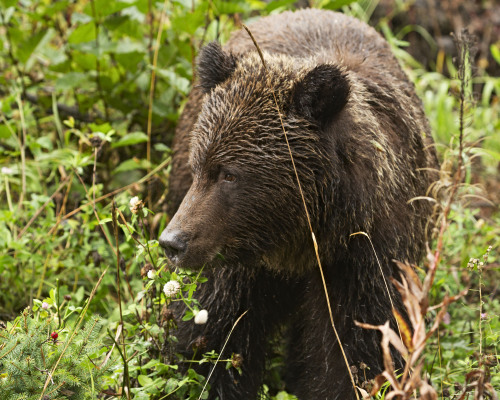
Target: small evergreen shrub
32,350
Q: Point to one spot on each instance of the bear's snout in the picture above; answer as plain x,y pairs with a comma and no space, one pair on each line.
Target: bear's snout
175,244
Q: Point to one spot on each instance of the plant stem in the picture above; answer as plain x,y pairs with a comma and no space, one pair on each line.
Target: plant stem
126,376
480,270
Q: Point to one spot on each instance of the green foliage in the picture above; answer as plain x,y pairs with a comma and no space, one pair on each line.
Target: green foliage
76,125
32,347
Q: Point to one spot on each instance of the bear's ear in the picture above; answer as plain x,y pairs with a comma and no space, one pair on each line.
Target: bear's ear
321,94
214,66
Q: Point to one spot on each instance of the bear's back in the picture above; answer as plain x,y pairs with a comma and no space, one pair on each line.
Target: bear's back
326,36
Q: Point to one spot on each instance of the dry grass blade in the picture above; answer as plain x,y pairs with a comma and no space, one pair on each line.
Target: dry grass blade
108,355
381,273
220,354
308,218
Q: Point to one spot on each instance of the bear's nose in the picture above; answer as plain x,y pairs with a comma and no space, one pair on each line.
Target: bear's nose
174,245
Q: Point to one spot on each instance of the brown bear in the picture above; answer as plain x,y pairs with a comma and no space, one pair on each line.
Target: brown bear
362,151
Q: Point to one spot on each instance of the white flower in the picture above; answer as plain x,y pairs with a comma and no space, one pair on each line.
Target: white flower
135,204
151,274
45,305
133,201
7,171
201,317
171,288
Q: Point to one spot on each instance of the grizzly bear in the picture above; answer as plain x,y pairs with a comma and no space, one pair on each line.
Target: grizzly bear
362,152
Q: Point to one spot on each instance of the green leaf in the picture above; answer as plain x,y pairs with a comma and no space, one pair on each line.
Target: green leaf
4,131
129,165
71,80
273,5
336,4
7,3
126,46
26,48
229,7
83,33
103,8
175,81
189,22
161,147
130,139
144,380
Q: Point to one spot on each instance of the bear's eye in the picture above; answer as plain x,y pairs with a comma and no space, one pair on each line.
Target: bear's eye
229,177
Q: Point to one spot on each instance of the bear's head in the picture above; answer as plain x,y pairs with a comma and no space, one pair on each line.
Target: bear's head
245,203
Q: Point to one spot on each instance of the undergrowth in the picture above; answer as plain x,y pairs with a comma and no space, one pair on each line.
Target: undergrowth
85,131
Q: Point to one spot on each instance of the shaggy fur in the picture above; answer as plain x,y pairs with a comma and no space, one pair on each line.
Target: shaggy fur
362,148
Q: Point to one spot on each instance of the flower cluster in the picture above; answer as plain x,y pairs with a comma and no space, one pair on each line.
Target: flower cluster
171,288
135,204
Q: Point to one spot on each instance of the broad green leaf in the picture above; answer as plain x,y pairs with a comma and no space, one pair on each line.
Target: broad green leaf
130,139
144,380
273,5
126,45
83,33
177,82
4,131
335,4
189,22
129,165
79,18
71,80
229,7
7,4
85,61
105,128
134,14
103,8
26,48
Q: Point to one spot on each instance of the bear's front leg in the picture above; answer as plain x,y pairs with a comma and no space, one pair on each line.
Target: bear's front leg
316,367
231,291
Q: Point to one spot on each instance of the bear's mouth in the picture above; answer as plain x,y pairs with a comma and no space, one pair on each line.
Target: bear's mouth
190,253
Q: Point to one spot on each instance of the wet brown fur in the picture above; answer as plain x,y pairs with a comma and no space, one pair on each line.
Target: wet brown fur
363,150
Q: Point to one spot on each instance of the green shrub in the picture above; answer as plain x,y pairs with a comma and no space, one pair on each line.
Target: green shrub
35,354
